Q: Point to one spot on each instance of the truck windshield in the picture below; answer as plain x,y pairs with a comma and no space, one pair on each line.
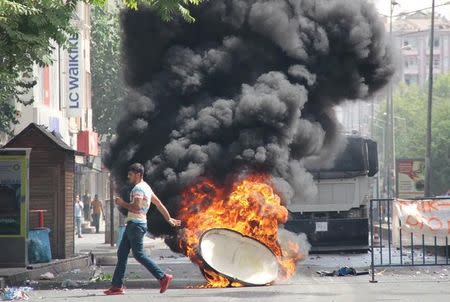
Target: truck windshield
351,162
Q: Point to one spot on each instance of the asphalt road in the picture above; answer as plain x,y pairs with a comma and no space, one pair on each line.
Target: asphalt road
404,286
395,284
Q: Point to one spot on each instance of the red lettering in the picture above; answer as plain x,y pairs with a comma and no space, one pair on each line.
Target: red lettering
430,223
428,206
414,222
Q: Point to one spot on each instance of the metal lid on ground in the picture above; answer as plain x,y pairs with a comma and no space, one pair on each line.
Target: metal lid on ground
238,257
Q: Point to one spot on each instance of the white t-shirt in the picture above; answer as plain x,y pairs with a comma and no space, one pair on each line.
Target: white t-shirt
141,190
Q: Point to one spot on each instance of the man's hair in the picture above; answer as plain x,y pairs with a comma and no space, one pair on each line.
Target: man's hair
136,168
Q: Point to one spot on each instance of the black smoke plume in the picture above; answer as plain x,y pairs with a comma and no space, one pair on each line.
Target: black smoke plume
250,86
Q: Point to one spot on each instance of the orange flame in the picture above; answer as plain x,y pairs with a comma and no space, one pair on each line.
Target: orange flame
252,208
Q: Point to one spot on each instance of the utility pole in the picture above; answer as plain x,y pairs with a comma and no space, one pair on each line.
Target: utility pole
111,208
428,171
390,137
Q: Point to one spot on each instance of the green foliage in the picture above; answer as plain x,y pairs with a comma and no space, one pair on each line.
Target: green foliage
29,32
167,9
108,88
31,29
410,106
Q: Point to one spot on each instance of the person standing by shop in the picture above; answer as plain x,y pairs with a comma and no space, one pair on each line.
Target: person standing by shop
78,215
87,207
97,210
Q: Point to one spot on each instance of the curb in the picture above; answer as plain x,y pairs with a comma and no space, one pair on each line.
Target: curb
130,284
53,267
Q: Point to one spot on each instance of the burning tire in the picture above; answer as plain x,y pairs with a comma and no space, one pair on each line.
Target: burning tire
238,258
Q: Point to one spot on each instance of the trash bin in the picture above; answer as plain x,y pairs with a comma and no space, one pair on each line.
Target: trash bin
120,232
39,250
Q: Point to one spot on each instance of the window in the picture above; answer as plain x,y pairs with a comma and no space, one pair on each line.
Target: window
436,61
436,41
409,44
410,61
411,79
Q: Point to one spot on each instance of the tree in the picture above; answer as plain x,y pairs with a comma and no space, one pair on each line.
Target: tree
410,107
108,88
29,32
167,9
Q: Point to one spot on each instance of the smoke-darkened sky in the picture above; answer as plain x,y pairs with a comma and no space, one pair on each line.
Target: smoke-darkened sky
249,87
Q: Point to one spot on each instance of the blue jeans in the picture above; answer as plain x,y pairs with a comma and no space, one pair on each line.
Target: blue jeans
133,238
78,225
96,218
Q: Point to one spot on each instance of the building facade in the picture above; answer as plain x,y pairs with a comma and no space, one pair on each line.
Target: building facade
62,104
62,94
412,37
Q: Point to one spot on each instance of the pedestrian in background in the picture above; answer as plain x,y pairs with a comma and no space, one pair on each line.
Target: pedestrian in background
87,206
97,210
78,215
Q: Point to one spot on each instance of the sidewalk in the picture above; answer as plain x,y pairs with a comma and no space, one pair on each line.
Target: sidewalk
21,275
99,274
96,260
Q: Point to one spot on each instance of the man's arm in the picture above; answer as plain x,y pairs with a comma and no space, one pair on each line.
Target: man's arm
163,210
134,206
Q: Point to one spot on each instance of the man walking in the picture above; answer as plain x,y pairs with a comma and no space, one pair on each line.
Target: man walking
78,214
97,210
87,206
133,238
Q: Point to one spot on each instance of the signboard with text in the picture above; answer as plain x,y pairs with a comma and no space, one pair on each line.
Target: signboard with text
428,218
410,178
75,77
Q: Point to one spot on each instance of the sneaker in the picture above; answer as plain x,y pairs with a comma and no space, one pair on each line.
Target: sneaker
165,282
115,290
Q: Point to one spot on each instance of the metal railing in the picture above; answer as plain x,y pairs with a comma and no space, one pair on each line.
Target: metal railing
404,251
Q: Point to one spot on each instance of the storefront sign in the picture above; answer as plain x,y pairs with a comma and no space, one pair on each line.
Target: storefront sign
74,77
87,142
410,178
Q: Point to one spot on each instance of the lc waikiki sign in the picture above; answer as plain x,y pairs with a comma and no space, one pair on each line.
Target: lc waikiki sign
75,77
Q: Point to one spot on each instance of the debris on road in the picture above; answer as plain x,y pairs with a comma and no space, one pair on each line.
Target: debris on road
100,277
14,293
47,276
30,282
342,272
68,283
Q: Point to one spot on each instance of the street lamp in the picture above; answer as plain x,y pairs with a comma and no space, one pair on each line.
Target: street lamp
390,140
